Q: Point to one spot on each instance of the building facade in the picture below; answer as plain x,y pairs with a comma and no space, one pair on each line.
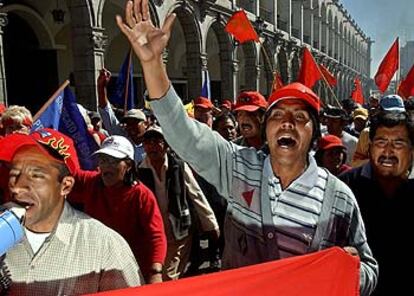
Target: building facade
407,58
39,49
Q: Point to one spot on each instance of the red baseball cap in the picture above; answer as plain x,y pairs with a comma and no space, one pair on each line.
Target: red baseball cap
2,108
227,103
50,142
330,141
203,102
296,91
250,101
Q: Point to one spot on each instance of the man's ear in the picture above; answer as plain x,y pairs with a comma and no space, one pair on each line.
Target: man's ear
67,184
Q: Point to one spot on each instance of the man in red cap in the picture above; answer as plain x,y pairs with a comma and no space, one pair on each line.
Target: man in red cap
64,252
280,204
203,110
250,109
331,154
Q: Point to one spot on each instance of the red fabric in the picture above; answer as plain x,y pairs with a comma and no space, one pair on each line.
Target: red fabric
357,94
277,82
309,72
298,91
388,67
329,77
203,102
240,27
330,272
132,211
45,139
250,101
406,87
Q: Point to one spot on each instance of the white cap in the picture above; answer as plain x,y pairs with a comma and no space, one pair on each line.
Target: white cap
118,147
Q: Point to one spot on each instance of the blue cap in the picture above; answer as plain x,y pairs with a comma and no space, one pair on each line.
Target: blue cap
393,103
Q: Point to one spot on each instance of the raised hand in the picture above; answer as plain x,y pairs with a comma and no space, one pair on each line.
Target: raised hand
147,41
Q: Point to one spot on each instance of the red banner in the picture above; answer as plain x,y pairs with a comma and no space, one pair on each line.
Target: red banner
388,66
330,272
309,72
357,94
406,87
329,77
240,27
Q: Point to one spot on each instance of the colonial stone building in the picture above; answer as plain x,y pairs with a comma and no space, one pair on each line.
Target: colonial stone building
43,43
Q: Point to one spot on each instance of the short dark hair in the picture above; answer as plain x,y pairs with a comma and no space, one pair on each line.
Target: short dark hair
63,171
222,117
390,119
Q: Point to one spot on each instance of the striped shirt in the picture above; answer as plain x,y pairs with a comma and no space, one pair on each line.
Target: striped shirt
257,207
81,256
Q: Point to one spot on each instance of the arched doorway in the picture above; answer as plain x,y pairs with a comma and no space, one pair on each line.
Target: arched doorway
31,68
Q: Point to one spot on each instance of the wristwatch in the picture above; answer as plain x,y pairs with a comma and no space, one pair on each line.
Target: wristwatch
155,270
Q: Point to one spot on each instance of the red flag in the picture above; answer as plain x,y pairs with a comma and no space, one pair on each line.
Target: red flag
277,81
328,75
357,94
388,67
327,272
406,87
309,71
241,28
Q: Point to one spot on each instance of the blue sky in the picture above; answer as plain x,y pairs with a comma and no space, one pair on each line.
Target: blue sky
383,21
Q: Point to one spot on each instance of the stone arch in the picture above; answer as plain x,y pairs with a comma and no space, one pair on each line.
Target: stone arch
283,65
330,33
30,58
325,29
36,21
295,65
225,56
192,54
266,73
247,56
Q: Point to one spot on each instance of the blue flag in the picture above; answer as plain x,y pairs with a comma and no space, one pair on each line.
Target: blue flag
124,86
63,115
205,89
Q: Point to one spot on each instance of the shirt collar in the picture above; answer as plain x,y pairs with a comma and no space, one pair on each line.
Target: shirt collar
307,179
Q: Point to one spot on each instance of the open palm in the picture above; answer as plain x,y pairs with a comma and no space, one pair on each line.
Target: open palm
147,41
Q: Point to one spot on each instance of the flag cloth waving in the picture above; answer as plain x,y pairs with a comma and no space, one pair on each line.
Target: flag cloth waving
406,87
325,273
205,88
123,94
63,114
329,77
309,72
240,27
357,94
388,66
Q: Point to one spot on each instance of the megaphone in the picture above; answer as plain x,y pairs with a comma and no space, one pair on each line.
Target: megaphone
11,229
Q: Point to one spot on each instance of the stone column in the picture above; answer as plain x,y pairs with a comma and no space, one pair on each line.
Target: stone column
3,89
235,87
88,55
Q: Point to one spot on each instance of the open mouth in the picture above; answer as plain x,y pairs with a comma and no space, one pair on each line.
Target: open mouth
388,162
24,204
286,142
245,126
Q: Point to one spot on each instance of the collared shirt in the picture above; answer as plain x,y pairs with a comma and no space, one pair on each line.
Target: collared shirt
80,256
295,210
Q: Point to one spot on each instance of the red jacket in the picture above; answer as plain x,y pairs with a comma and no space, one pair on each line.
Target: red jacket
132,211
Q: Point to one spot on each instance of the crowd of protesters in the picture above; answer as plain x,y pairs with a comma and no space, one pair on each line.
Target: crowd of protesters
258,179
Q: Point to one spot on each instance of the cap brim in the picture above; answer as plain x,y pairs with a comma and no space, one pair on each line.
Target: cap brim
111,152
361,116
334,145
202,106
305,100
248,108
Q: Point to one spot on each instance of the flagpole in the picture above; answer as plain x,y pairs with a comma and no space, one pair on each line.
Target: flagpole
126,93
398,74
51,99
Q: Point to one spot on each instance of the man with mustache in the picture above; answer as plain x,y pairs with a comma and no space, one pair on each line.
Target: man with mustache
384,188
279,204
250,109
63,252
